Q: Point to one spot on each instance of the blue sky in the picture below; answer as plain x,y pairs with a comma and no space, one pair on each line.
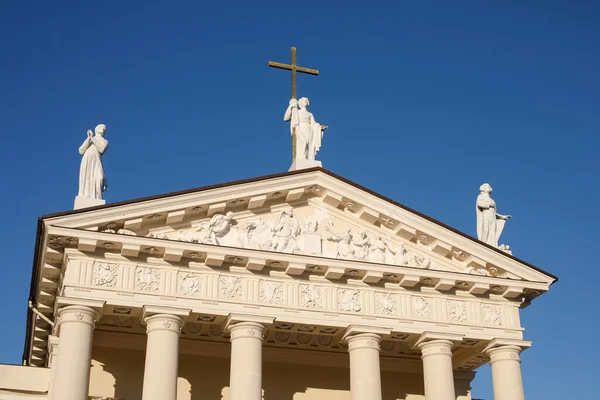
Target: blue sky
425,101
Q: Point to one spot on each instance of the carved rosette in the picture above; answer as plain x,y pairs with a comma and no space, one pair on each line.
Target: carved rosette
421,307
349,300
310,296
491,315
457,311
147,279
105,275
271,292
230,287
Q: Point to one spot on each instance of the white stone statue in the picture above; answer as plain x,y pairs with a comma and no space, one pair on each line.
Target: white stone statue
489,223
285,230
308,131
378,249
92,181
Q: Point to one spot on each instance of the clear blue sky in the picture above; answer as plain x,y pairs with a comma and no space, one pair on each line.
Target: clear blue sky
425,101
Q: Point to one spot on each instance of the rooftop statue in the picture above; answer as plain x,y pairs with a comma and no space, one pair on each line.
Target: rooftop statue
92,181
489,223
308,133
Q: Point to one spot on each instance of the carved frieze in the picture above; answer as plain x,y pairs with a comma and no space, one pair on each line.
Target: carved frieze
491,314
457,311
148,279
310,296
105,275
271,292
348,300
421,307
386,303
189,284
230,287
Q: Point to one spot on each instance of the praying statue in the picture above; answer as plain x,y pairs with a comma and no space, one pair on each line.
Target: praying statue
307,131
489,223
92,181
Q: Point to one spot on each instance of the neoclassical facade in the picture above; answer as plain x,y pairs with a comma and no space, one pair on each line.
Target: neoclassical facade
300,286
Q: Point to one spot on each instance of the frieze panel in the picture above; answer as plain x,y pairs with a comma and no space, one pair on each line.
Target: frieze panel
421,307
271,292
148,279
105,274
386,303
311,296
230,287
189,284
349,300
457,311
491,314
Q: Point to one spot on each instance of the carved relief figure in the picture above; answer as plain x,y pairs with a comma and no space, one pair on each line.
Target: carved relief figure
489,223
361,245
308,131
344,248
220,231
377,249
491,314
92,181
285,230
457,311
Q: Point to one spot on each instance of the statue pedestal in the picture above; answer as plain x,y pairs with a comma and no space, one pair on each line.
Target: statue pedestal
310,243
304,164
84,202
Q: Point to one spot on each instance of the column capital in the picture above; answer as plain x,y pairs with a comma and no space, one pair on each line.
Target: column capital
353,330
235,319
77,314
506,349
96,305
431,343
361,341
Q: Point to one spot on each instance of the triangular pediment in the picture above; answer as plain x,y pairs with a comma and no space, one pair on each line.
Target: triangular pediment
307,213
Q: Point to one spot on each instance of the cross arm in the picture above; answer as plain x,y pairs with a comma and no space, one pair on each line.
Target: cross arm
289,67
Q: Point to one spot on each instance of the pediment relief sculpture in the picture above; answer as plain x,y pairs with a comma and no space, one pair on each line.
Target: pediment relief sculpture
282,232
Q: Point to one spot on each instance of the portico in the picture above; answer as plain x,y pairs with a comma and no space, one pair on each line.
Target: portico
247,292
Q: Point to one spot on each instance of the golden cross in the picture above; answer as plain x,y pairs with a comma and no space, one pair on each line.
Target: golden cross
294,68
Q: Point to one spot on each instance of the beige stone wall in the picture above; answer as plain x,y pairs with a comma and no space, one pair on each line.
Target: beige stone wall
119,373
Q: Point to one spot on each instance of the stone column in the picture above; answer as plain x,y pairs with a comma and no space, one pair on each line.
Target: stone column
72,375
365,375
436,353
506,368
245,381
163,326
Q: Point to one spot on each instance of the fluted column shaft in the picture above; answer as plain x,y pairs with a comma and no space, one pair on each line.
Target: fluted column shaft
246,361
365,374
506,373
162,357
437,369
72,375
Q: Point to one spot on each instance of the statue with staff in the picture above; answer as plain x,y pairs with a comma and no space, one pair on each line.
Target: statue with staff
306,132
